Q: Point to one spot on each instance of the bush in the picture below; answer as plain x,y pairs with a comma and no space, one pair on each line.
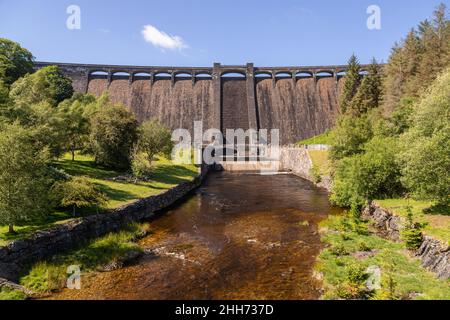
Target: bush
349,136
113,136
315,174
363,177
154,138
140,166
425,157
411,233
77,193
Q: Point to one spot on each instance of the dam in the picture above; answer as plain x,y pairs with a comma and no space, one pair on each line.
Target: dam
299,101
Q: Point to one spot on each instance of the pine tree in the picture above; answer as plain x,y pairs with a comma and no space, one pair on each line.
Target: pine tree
435,36
369,92
351,84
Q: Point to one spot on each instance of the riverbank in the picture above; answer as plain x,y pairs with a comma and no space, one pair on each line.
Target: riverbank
353,246
64,236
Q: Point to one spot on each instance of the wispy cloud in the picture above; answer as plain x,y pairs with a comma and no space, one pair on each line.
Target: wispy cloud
162,40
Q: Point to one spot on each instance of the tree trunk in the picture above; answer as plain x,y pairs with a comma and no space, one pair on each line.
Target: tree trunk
73,155
73,211
11,229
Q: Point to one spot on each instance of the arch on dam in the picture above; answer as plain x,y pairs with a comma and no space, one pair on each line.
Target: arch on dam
303,74
283,75
98,73
324,73
233,73
263,74
142,75
183,74
120,74
203,75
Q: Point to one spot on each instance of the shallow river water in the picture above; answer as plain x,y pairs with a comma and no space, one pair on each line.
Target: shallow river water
238,236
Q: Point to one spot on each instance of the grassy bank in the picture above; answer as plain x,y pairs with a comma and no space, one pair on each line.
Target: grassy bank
109,251
437,220
324,138
11,294
352,248
165,175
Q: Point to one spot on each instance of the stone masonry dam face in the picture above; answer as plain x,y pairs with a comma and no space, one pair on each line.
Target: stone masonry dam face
299,101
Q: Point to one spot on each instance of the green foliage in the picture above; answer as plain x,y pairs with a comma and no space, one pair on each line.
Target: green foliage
78,192
46,85
315,174
23,177
349,136
140,166
15,61
363,177
426,146
411,233
11,294
368,95
49,276
402,276
417,61
154,138
324,138
75,122
113,135
351,84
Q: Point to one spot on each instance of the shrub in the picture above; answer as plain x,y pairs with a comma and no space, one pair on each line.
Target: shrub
315,174
113,135
77,193
140,166
411,233
363,177
154,138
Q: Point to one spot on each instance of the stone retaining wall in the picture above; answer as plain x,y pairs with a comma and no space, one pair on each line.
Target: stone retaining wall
435,255
296,160
43,244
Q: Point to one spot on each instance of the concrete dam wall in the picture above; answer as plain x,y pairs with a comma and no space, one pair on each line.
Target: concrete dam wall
299,101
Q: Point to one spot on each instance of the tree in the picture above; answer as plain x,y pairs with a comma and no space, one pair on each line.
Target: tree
154,138
368,95
75,124
351,84
367,176
113,135
77,193
15,61
48,84
23,177
349,136
425,155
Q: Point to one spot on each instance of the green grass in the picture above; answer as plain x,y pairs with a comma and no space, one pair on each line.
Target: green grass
165,176
320,160
47,276
324,138
346,248
11,294
438,223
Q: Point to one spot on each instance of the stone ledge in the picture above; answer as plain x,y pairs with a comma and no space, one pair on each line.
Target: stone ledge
434,254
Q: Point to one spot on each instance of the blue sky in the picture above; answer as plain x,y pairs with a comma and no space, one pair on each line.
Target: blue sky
268,33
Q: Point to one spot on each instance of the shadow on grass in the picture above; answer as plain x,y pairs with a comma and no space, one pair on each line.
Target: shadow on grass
438,209
86,168
116,195
46,222
172,174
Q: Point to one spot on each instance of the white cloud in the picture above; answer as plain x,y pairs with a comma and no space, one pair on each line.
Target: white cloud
161,39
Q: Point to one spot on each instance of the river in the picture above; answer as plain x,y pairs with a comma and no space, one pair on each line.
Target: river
238,236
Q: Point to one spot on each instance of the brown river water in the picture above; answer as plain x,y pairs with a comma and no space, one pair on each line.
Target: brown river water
238,236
